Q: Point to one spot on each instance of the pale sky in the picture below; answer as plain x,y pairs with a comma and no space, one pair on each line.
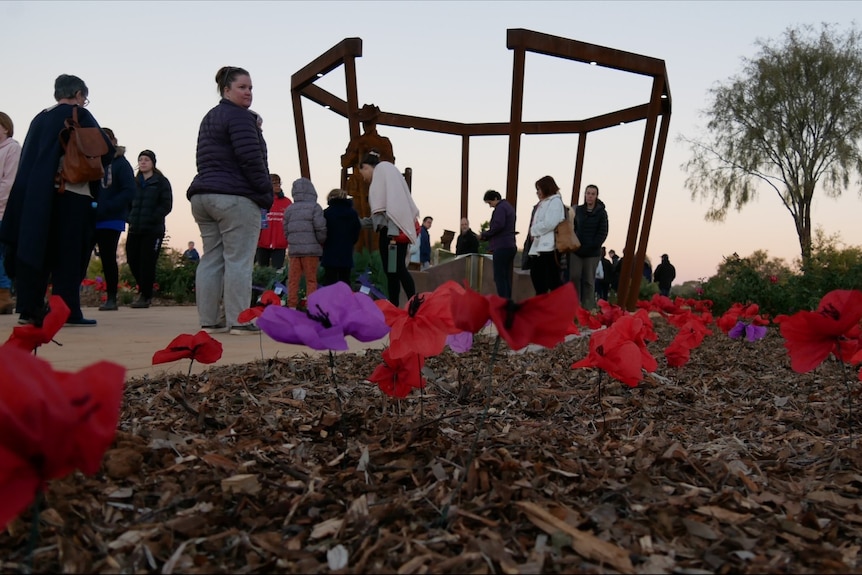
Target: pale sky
150,67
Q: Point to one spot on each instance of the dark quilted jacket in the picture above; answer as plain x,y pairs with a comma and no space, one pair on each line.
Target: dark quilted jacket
152,202
231,156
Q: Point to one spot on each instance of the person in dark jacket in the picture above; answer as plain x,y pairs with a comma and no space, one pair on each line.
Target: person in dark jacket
152,203
425,243
664,275
272,243
305,229
342,233
591,225
231,187
500,236
468,241
112,210
603,283
48,235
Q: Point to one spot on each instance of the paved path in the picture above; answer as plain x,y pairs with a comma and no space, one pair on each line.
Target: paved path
131,336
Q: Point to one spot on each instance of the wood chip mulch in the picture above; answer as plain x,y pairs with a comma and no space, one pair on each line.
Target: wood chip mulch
732,464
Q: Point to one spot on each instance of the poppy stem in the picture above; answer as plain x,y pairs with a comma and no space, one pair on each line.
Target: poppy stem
846,379
601,409
494,351
332,379
190,367
34,528
444,512
421,392
260,335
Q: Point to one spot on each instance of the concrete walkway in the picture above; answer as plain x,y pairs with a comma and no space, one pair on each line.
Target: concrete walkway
130,337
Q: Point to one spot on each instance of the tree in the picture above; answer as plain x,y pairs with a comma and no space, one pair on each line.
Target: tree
792,119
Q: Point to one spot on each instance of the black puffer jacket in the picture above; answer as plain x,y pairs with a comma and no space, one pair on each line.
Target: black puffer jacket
231,156
153,201
592,229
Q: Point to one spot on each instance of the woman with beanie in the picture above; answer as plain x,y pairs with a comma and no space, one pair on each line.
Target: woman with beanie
395,217
152,202
231,187
112,210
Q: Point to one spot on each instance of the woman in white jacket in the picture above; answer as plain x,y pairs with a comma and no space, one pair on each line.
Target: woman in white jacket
544,264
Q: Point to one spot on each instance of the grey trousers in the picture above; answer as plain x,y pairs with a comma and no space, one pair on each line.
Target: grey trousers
230,226
582,273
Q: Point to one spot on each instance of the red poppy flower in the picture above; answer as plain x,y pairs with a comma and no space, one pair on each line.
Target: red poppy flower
620,351
51,423
201,347
810,336
677,354
396,377
689,336
424,324
543,320
609,313
267,298
587,319
29,337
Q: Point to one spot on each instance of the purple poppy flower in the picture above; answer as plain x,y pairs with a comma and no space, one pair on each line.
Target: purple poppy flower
750,331
460,342
755,332
334,312
737,331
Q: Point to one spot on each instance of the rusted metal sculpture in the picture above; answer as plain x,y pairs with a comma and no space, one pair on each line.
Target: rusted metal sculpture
656,112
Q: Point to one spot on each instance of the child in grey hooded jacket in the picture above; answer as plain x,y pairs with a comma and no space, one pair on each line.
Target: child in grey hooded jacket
305,230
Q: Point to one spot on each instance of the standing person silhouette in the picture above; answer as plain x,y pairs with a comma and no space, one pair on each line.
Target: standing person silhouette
500,236
112,210
231,187
10,154
49,234
152,203
394,216
591,224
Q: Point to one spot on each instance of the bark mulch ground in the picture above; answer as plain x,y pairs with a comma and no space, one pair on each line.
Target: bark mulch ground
733,463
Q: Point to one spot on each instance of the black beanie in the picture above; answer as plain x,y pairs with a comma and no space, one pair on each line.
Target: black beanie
150,154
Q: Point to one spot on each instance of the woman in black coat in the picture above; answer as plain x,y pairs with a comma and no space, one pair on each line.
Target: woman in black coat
342,233
591,224
48,234
152,203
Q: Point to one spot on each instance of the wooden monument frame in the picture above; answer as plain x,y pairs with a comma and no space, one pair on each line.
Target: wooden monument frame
521,41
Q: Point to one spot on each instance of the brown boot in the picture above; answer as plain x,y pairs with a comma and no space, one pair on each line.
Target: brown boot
7,304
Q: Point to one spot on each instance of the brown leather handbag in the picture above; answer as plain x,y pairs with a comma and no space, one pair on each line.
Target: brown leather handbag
83,149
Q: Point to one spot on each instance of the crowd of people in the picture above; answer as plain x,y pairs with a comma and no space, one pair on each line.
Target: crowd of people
50,226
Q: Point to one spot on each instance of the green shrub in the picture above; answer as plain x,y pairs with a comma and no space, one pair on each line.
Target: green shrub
776,288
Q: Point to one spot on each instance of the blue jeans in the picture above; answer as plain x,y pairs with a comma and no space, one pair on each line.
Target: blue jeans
5,282
230,226
503,260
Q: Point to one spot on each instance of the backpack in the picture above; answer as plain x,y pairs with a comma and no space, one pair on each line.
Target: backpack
565,238
83,149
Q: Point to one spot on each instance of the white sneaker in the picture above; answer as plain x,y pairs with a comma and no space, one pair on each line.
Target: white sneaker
247,329
215,328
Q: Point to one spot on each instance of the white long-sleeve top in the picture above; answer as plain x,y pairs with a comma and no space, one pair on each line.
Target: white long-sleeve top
549,213
10,154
